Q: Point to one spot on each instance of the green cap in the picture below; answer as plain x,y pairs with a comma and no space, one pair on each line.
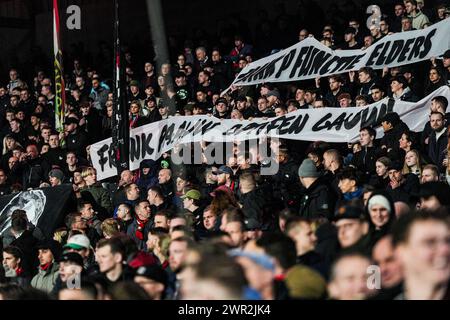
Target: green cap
192,194
134,83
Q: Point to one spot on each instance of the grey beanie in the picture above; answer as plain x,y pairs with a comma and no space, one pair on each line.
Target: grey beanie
57,173
308,169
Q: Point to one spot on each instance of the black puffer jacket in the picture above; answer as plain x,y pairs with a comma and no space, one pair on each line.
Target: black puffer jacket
365,160
286,183
253,204
389,144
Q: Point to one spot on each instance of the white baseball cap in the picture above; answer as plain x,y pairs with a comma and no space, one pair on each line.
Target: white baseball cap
78,242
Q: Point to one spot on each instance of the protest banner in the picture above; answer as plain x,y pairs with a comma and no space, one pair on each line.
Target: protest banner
309,58
326,124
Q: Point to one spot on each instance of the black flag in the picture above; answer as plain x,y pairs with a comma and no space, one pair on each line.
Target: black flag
120,126
45,207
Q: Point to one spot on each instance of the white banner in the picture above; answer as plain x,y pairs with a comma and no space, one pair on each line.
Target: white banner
309,58
326,124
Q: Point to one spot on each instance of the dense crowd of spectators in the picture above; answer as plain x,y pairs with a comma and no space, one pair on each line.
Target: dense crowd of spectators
364,220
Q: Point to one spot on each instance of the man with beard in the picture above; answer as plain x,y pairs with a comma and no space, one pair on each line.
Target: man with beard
99,94
225,177
178,250
336,84
438,141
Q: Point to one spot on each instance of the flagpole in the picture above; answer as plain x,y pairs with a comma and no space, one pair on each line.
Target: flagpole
120,128
59,73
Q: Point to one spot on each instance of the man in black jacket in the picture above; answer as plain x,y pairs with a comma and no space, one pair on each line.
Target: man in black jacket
401,186
438,141
76,140
315,202
285,182
91,122
332,162
393,128
365,159
139,229
55,156
24,238
251,199
34,169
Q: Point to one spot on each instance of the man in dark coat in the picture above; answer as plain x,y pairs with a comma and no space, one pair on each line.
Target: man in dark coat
24,238
251,199
365,159
34,168
76,140
315,202
285,181
438,141
401,186
138,230
393,129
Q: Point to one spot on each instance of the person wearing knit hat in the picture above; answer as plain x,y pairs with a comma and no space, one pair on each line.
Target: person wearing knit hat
153,279
315,201
308,169
305,283
434,195
273,93
380,210
56,177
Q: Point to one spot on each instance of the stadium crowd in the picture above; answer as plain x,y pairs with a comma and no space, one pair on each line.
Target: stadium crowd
363,220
